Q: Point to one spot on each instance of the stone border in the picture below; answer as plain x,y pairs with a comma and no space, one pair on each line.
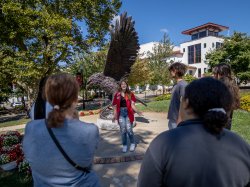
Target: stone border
117,159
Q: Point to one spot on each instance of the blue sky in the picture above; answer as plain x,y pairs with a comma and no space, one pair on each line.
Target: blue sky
153,17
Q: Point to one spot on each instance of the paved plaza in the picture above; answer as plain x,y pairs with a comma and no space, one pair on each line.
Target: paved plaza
113,167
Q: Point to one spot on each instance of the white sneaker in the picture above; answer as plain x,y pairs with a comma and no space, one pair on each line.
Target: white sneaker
132,147
124,149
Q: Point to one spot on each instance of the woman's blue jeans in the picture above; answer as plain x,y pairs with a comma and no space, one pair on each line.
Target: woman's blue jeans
125,127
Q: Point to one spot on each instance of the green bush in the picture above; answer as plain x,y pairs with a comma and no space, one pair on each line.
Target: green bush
245,103
163,97
189,78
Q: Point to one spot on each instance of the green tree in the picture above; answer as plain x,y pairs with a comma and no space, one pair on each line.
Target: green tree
38,36
140,73
87,64
158,63
236,52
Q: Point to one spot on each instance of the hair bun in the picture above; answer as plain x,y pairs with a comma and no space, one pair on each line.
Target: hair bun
215,120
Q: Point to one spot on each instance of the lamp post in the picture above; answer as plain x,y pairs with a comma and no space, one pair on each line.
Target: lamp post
79,79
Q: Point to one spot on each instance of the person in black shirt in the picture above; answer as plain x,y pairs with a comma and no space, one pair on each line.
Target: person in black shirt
200,151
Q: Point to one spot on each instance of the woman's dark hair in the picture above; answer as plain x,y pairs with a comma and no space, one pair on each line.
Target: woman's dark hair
208,93
179,68
222,69
40,103
127,89
127,92
223,73
61,91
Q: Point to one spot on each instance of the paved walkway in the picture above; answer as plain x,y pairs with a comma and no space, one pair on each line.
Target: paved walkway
114,168
125,174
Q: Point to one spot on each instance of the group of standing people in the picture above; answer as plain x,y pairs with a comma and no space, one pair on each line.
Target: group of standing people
197,150
201,151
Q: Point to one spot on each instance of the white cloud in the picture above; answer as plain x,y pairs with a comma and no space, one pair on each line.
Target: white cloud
164,30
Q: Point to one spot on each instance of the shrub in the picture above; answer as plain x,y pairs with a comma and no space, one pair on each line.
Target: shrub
189,78
163,97
25,171
245,102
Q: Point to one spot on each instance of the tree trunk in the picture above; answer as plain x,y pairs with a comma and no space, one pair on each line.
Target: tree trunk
163,89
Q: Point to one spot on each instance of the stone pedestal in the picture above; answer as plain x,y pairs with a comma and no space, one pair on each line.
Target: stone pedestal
107,124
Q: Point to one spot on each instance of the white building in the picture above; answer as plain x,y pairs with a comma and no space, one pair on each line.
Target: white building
204,38
146,48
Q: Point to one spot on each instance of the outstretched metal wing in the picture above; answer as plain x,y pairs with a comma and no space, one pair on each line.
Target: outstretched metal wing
123,48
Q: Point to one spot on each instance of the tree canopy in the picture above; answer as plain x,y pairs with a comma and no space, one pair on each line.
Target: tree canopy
38,36
158,63
140,72
236,52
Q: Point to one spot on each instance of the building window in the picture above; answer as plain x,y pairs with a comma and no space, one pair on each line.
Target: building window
191,54
202,34
195,36
194,54
212,33
183,50
218,45
190,72
199,72
205,45
212,45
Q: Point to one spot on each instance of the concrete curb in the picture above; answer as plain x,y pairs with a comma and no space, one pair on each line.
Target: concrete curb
117,159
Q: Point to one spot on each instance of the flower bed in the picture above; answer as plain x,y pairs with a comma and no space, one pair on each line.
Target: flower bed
11,154
245,102
90,112
10,148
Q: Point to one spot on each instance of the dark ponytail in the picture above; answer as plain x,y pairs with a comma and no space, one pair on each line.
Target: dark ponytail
40,103
211,101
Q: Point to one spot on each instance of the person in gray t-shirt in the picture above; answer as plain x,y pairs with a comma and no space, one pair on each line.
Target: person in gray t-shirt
177,71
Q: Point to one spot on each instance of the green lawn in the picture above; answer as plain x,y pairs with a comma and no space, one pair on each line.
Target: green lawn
241,124
154,106
241,119
14,123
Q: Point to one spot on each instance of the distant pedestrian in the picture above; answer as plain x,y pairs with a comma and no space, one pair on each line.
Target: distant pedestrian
177,71
41,108
223,73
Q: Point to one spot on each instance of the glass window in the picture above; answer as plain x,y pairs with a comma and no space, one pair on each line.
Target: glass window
202,34
218,45
190,72
195,36
194,54
205,45
191,54
212,45
199,72
198,53
183,50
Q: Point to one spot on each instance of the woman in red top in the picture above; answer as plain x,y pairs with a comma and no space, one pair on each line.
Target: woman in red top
124,107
